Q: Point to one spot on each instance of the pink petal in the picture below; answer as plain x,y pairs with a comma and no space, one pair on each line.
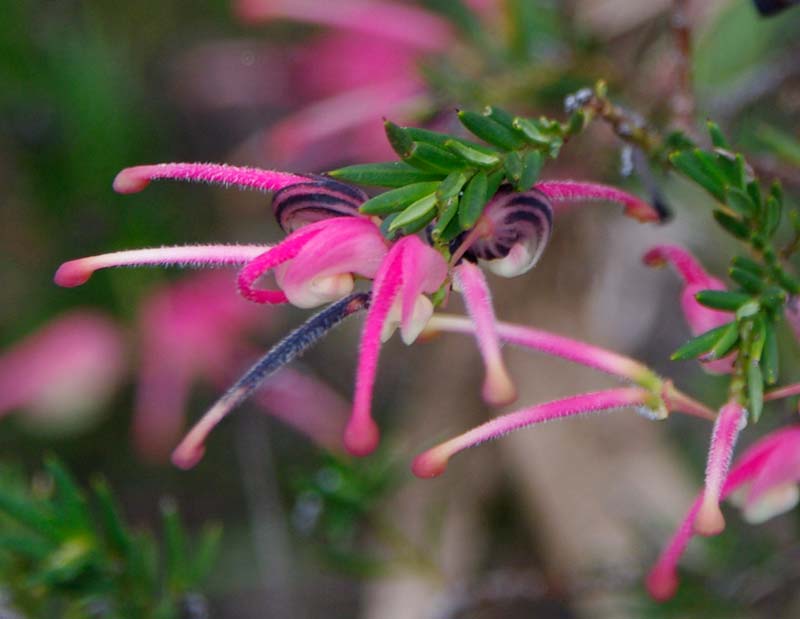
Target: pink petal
561,191
345,246
434,461
498,388
77,272
780,468
424,270
133,180
268,260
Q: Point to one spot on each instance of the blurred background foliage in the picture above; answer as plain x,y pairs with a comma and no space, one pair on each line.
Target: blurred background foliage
89,87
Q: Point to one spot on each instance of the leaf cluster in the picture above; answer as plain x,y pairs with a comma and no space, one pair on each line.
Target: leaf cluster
65,552
446,180
764,284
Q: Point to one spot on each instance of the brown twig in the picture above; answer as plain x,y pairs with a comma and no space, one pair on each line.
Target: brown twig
683,102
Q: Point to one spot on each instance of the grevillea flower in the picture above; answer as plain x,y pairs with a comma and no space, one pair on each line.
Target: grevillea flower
762,483
330,244
695,278
64,373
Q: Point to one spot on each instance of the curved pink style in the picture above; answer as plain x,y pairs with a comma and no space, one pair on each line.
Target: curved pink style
695,278
77,272
65,370
772,461
498,388
408,270
135,179
563,191
434,461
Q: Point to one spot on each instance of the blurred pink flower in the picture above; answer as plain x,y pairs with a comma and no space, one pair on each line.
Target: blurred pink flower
362,69
762,483
695,278
197,328
62,375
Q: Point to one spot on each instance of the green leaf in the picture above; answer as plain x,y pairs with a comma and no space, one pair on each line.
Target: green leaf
751,308
399,139
443,230
387,174
451,187
472,155
490,131
473,201
725,343
751,283
741,202
733,168
432,158
733,225
532,162
769,358
415,216
512,163
748,264
116,531
206,555
754,191
532,131
501,116
700,344
717,138
398,199
694,165
73,513
177,563
722,299
755,390
772,216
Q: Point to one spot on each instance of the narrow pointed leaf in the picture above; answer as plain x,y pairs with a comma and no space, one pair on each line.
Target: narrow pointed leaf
755,390
473,201
722,299
490,131
415,216
397,199
387,174
769,358
726,342
700,344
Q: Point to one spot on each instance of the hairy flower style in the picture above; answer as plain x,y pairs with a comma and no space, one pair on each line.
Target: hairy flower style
762,483
695,278
329,244
65,372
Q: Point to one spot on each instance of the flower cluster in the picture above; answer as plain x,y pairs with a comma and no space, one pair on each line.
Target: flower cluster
484,208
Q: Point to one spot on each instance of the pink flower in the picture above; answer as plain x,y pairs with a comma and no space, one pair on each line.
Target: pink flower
695,278
762,483
63,374
328,245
